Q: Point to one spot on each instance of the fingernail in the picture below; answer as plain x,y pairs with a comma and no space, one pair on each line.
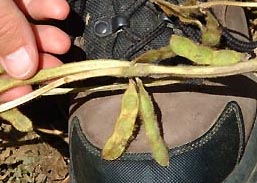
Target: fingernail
17,64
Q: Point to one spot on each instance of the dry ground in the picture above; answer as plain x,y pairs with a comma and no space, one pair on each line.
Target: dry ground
40,156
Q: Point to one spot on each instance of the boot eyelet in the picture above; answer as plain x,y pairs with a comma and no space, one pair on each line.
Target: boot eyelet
109,25
102,28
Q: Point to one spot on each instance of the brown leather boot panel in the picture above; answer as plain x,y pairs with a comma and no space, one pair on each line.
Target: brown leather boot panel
227,16
185,116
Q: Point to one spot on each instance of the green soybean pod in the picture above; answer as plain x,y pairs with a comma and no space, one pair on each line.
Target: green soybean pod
203,55
187,48
146,110
124,125
226,57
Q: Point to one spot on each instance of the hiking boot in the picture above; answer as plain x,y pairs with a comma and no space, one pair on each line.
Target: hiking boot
208,125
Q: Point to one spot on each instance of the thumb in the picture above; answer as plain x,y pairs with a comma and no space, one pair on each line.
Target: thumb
18,51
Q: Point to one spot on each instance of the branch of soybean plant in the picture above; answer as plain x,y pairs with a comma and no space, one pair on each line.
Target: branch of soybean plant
59,82
76,77
88,90
139,70
178,46
61,71
224,3
112,87
203,5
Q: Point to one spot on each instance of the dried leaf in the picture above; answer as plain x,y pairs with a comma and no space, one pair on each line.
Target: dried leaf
124,126
148,117
17,119
185,15
203,55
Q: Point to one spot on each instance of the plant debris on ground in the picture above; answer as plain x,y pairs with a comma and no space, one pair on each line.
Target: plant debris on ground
37,156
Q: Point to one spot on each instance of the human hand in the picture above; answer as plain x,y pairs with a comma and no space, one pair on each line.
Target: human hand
26,48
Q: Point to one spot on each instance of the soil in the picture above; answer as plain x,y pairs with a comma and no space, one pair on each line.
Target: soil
40,156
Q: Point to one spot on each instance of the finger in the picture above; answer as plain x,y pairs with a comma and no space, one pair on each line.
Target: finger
18,51
46,61
46,9
49,62
15,93
57,41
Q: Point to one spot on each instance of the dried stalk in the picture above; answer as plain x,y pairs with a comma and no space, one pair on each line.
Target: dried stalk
61,71
204,5
112,87
139,70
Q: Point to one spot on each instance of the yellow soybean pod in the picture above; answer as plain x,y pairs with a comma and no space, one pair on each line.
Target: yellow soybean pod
124,125
146,110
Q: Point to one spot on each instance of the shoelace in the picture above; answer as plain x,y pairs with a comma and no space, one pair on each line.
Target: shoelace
236,44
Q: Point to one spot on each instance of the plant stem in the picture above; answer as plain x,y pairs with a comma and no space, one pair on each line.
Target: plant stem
139,70
61,71
205,4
